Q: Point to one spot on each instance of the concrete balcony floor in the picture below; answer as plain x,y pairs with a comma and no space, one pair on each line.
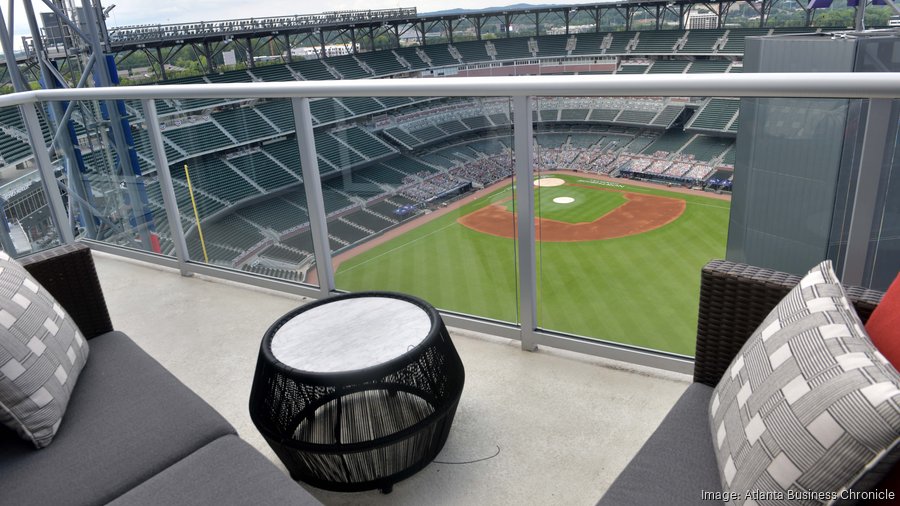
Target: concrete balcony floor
565,424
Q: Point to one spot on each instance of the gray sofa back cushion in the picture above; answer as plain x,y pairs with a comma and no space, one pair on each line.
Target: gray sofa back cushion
128,420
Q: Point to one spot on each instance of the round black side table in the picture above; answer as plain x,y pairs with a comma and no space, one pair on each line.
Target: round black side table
358,391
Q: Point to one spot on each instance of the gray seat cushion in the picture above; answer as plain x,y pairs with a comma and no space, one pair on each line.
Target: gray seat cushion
226,472
127,420
677,463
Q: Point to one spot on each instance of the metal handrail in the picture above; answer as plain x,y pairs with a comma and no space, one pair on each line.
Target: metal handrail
787,85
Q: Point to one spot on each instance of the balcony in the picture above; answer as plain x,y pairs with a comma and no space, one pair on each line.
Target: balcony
565,423
554,426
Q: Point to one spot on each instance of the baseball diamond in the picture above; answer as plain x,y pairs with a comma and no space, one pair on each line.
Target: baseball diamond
619,263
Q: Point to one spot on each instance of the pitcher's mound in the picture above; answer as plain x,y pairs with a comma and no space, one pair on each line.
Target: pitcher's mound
549,181
563,200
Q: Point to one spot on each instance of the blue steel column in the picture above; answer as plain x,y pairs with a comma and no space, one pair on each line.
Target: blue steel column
114,110
315,203
523,135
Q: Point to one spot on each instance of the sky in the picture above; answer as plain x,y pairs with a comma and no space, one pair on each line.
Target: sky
136,12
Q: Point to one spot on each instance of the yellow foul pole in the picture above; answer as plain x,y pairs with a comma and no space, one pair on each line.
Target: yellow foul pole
196,214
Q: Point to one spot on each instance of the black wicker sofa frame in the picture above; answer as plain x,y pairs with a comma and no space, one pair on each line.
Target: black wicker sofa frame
132,434
677,464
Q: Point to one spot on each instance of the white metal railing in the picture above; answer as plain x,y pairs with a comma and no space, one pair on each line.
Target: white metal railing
880,88
784,85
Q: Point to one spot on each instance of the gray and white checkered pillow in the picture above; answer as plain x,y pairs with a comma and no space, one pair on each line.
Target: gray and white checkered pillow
42,353
808,405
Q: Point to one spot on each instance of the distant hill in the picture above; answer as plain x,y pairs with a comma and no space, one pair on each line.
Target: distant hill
514,7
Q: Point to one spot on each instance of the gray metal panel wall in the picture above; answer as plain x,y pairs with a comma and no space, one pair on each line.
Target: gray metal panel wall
788,158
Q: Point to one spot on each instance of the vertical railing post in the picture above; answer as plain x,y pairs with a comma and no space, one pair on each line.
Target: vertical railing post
166,187
868,180
58,213
523,135
315,203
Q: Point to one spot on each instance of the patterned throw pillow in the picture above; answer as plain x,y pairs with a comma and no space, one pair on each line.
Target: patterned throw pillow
41,355
808,406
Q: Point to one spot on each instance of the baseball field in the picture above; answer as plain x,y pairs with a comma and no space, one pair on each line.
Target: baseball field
616,261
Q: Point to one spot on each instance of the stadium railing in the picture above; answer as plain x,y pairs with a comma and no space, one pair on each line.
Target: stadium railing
878,88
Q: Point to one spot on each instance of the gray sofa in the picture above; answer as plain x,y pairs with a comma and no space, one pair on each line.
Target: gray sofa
677,463
132,433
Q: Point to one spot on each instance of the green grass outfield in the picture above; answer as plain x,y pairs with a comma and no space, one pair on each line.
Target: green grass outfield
641,290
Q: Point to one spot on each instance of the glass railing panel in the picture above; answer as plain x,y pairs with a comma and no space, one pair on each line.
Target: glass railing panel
238,182
27,223
627,216
433,216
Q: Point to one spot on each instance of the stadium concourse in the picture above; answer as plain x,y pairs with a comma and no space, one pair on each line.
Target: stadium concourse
385,160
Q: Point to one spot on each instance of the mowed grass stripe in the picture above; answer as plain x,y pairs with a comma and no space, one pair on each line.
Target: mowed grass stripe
641,290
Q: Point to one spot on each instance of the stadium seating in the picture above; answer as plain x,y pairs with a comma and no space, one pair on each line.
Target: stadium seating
361,105
573,114
705,147
335,153
632,69
368,221
657,41
238,76
670,142
603,114
244,124
709,66
667,115
348,233
364,142
476,122
273,272
588,43
735,44
287,152
552,45
13,148
440,55
382,62
328,110
232,230
716,114
197,138
513,48
275,214
311,70
348,67
409,54
619,42
286,254
453,127
632,117
380,173
668,67
472,51
279,112
701,41
391,102
408,165
428,134
213,176
273,73
500,119
400,136
263,170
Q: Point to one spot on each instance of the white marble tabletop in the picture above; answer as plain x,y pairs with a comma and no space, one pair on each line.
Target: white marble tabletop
350,334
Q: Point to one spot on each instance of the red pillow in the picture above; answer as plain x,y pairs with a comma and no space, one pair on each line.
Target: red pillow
884,324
